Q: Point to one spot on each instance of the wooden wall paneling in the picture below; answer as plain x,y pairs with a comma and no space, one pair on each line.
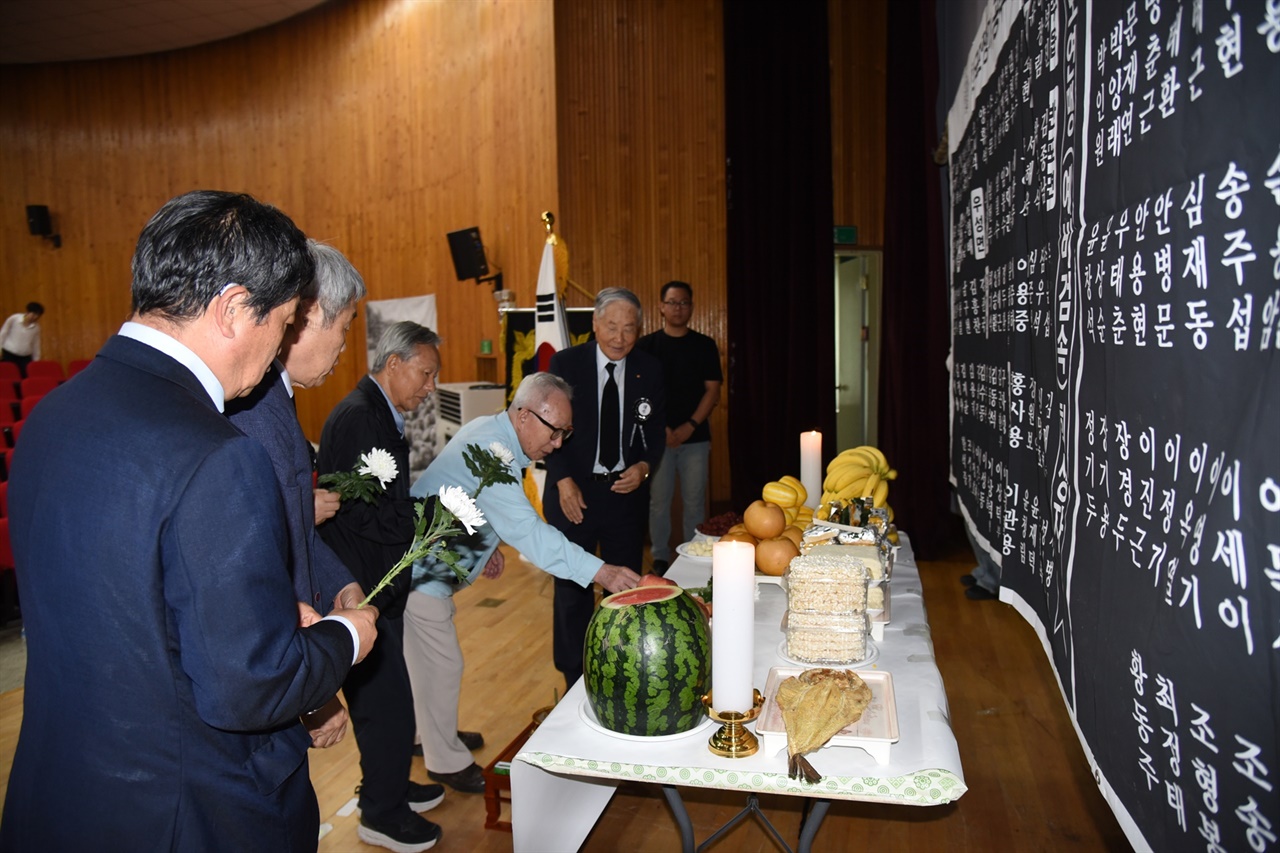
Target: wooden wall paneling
640,105
858,84
378,126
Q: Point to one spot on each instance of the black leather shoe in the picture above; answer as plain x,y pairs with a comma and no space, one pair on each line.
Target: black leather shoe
965,580
468,781
660,567
403,833
471,740
980,593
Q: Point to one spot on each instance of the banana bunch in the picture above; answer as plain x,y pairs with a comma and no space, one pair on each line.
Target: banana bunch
859,472
790,494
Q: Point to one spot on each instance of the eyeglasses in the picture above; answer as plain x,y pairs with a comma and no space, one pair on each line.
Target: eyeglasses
561,433
683,303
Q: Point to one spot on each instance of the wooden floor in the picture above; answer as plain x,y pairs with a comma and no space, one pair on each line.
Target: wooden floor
1029,785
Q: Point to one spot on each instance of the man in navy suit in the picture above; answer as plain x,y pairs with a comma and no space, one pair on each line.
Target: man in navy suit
166,667
597,490
308,354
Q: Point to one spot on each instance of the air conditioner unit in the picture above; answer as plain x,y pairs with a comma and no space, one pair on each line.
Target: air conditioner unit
458,403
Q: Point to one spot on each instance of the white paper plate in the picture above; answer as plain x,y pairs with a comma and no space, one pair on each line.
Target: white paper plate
873,653
683,550
588,715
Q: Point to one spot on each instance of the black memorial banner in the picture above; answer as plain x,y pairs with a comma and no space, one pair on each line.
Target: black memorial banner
520,344
1115,284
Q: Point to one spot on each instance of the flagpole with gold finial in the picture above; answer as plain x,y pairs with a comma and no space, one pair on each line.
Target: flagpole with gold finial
563,282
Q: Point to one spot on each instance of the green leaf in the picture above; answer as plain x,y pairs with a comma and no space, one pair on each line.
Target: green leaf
351,485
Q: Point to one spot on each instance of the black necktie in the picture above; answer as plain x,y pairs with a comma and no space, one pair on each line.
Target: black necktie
610,429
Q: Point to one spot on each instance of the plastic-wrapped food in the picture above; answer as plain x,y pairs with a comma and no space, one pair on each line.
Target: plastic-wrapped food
826,584
827,638
865,544
868,556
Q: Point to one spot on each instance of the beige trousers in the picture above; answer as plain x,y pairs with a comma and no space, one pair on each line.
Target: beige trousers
434,659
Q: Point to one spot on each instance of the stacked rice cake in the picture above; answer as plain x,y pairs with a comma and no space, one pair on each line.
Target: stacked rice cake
870,557
826,620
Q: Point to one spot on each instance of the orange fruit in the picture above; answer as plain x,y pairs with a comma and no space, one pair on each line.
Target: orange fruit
774,555
764,520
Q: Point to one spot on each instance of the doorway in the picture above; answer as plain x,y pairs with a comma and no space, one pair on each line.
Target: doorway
858,301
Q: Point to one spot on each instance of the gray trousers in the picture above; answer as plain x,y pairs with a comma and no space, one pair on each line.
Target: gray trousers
433,657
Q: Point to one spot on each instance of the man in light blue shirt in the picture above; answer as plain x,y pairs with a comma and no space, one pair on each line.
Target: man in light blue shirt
536,423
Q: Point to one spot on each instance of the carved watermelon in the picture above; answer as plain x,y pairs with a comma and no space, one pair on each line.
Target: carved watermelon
647,661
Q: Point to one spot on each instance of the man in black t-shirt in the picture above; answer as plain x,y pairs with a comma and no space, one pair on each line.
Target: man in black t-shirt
691,370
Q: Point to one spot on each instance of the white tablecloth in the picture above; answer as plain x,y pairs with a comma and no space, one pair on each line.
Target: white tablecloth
565,775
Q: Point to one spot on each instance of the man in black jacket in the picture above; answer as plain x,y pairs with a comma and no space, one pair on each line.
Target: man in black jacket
370,539
597,491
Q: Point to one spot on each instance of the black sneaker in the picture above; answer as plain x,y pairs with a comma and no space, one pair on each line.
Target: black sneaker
404,833
469,780
424,798
471,740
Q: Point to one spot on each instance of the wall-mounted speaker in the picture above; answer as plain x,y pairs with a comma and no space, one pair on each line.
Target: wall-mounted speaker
38,220
468,254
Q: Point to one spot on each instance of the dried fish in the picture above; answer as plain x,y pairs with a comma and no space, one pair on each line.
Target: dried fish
816,704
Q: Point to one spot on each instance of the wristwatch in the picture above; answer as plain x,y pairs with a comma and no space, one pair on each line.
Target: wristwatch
691,422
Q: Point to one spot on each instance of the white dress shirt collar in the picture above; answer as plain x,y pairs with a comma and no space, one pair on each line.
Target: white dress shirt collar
395,413
602,360
180,353
619,378
284,376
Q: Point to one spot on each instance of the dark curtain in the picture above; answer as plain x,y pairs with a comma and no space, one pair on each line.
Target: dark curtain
780,289
914,397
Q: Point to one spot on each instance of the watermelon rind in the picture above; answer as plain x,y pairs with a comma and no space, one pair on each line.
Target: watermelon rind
647,662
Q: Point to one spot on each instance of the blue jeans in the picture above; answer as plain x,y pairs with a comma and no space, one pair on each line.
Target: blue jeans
690,463
986,573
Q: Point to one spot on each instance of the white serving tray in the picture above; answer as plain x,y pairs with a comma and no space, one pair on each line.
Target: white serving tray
874,733
879,618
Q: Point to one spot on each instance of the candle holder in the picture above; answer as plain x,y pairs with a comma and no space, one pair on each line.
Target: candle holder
732,739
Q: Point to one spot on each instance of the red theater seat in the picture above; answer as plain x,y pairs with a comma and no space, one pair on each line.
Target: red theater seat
28,403
46,368
38,386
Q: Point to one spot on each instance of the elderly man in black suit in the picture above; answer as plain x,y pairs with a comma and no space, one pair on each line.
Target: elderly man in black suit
597,489
370,538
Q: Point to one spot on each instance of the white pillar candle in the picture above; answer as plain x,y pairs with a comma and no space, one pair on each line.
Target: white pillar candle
733,572
811,466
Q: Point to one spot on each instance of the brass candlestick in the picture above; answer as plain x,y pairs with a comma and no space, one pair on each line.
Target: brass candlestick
732,739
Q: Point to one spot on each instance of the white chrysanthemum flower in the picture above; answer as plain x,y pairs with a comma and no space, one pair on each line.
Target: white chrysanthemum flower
380,464
458,502
500,451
